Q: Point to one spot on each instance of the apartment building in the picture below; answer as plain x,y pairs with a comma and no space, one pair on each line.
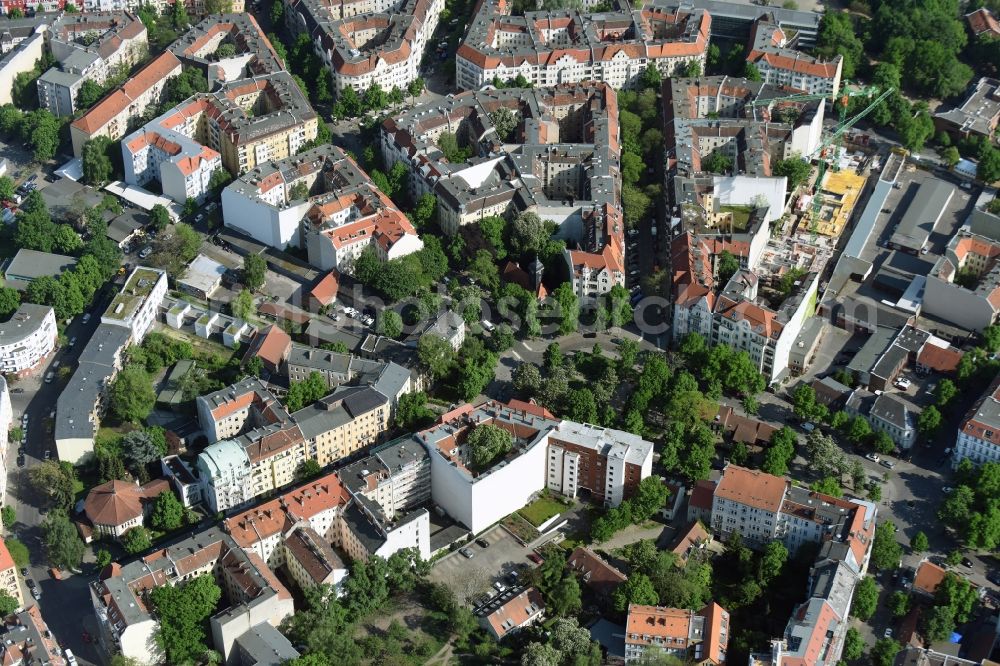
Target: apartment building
964,286
348,420
22,44
254,53
576,184
978,437
563,456
9,582
509,613
258,446
115,114
977,115
238,408
736,317
779,63
367,42
702,636
93,46
753,123
252,594
27,338
548,48
125,322
323,201
26,639
762,507
606,462
243,123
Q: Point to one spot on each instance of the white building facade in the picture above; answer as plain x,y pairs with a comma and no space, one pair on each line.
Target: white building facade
27,338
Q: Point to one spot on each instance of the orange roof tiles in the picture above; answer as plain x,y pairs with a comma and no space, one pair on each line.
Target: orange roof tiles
941,359
6,561
597,573
645,623
318,495
928,577
325,291
702,494
271,345
258,523
982,20
716,632
752,488
517,612
113,503
160,68
799,63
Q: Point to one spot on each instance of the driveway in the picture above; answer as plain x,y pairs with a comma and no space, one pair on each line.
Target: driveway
469,578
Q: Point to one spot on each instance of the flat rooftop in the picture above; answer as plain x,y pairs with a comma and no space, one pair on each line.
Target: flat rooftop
138,287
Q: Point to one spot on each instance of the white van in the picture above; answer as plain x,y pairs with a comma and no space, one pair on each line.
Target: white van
70,657
488,325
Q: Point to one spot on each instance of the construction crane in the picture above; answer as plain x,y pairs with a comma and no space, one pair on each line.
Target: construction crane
825,156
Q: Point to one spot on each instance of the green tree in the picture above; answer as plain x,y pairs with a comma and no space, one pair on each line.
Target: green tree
6,188
9,516
168,512
182,611
136,540
102,557
242,306
132,396
309,469
54,481
750,72
899,603
884,652
139,448
62,542
254,271
886,551
929,421
650,497
389,323
412,413
718,162
882,442
828,485
569,308
435,354
97,167
919,543
159,217
304,393
18,552
727,266
527,379
504,122
492,229
988,169
854,645
638,589
486,443
8,604
859,430
837,36
10,300
865,599
415,87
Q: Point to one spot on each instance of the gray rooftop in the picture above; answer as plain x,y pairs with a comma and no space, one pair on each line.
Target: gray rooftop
337,409
23,323
891,409
97,364
263,645
922,214
29,265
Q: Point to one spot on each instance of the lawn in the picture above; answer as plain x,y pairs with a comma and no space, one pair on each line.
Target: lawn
741,215
541,510
520,528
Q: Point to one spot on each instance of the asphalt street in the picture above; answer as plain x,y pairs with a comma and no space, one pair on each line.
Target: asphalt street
65,604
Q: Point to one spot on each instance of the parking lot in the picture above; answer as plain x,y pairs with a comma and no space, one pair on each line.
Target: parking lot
471,578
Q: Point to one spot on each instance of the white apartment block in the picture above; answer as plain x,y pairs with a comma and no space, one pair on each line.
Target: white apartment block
225,474
771,52
978,437
21,58
138,303
89,47
549,48
112,115
369,42
27,338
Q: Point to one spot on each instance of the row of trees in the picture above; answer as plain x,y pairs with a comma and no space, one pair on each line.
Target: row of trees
971,509
649,498
642,141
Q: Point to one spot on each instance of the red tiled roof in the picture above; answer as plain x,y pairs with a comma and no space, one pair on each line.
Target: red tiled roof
645,623
597,574
982,20
273,346
325,291
6,561
113,503
158,69
702,494
516,612
941,359
929,576
752,488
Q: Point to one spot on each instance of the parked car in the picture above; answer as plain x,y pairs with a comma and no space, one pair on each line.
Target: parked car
48,454
49,376
903,383
466,552
888,632
536,558
482,543
86,317
145,252
873,457
499,587
966,562
947,490
888,464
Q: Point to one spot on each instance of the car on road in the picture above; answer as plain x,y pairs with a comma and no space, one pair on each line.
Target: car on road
466,552
966,562
70,657
86,317
873,457
24,572
482,543
947,490
888,632
49,376
36,592
17,390
21,461
48,454
888,464
72,342
903,383
145,252
199,217
499,587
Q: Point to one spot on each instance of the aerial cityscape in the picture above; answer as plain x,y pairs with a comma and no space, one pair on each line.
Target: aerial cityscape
525,332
